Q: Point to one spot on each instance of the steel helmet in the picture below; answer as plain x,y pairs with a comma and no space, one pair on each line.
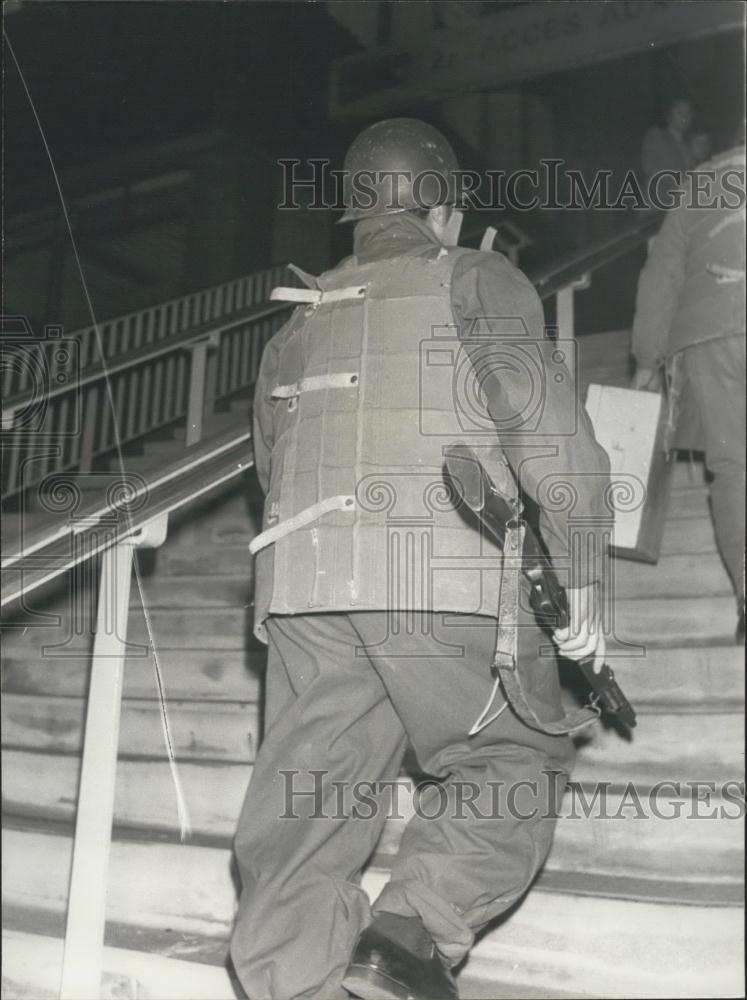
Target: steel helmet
395,166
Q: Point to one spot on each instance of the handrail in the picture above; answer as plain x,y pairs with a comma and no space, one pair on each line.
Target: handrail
118,334
46,553
131,359
557,276
171,361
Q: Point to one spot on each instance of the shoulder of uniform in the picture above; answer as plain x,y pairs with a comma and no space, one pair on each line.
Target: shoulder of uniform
491,263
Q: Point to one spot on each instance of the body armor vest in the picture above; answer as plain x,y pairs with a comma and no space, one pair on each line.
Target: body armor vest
372,383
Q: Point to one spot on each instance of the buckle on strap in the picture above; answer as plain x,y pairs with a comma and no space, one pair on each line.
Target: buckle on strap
333,380
342,501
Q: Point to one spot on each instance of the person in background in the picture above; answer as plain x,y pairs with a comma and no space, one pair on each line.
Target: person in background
666,149
690,319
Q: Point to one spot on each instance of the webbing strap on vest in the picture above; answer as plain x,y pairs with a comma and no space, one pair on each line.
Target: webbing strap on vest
333,380
341,502
315,297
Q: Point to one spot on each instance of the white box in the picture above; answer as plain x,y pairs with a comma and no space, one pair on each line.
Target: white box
629,425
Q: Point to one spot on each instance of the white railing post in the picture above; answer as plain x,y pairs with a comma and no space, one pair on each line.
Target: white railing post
564,312
197,383
82,963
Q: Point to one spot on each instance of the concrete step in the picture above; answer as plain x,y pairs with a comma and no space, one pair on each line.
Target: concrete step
687,502
689,678
228,731
611,948
183,629
664,746
688,575
195,628
610,831
684,677
667,621
190,558
32,970
232,591
688,535
579,942
192,675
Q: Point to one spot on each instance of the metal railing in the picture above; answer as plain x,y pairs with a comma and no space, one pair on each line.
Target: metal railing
572,272
162,364
113,530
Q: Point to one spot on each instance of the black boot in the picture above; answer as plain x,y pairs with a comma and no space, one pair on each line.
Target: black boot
396,959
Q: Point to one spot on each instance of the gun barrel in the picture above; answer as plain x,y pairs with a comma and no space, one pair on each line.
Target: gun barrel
608,692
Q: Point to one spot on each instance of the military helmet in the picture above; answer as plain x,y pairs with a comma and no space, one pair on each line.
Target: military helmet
395,166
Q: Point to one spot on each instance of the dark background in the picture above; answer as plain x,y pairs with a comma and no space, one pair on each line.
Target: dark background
119,85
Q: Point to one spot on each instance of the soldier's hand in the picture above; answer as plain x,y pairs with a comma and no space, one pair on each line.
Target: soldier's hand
584,636
647,378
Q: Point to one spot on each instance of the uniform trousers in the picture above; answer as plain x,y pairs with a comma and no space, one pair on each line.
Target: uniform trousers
716,375
345,694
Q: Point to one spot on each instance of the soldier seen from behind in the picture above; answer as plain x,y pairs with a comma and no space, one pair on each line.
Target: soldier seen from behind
377,595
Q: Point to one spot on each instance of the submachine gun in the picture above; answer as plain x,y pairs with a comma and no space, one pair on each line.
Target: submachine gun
547,597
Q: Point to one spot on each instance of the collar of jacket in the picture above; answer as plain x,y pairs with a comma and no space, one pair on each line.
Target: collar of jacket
397,235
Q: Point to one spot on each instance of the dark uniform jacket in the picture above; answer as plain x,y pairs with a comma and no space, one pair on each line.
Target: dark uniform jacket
407,348
692,287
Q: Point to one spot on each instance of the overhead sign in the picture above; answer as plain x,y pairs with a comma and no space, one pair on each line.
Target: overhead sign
522,42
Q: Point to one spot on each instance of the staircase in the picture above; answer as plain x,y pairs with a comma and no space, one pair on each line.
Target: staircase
631,906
